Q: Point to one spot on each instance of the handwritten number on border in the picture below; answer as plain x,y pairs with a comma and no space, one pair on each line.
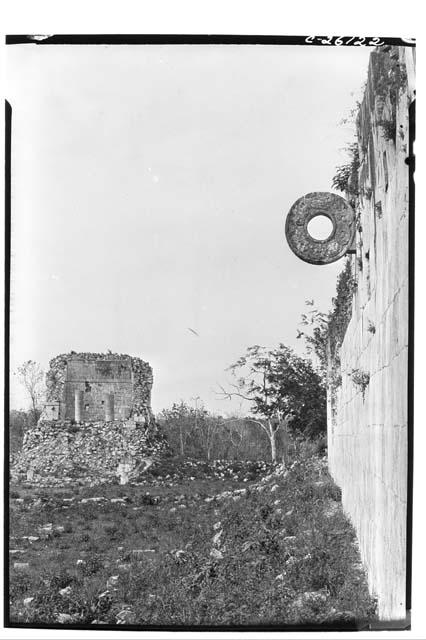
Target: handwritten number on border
338,41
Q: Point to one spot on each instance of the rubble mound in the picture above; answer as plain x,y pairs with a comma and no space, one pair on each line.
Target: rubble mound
63,452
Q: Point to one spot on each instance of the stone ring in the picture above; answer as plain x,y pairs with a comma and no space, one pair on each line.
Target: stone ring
340,240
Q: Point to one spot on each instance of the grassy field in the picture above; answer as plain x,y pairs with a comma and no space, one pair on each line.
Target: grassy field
214,551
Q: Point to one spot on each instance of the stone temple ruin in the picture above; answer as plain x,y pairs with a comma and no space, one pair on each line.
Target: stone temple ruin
97,422
90,387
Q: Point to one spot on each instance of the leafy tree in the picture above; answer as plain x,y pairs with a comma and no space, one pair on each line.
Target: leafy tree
284,391
31,377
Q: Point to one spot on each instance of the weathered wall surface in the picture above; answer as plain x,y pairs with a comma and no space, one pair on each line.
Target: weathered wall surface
367,412
96,379
96,375
60,449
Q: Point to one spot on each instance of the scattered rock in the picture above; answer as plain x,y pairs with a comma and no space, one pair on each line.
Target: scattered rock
64,618
344,616
216,537
310,597
112,581
125,617
140,552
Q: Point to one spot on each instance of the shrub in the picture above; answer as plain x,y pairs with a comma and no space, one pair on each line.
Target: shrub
388,129
92,565
361,379
346,176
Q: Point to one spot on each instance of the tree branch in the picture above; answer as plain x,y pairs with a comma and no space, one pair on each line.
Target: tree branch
228,394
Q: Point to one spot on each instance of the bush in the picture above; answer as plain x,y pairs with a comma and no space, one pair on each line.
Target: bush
346,176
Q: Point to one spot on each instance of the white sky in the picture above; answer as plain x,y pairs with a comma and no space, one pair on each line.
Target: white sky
150,186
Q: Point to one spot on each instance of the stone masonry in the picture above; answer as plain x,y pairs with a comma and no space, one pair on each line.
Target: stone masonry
93,386
60,452
367,412
97,423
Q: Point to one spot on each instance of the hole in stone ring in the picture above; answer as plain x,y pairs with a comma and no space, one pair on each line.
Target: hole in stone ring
320,227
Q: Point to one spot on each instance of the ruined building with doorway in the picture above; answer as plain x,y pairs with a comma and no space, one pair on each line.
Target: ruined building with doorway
97,424
88,387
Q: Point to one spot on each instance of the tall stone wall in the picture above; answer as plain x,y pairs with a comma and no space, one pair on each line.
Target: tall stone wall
367,408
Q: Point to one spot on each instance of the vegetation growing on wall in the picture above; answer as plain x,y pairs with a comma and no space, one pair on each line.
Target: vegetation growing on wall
361,379
346,176
391,81
392,76
327,330
388,128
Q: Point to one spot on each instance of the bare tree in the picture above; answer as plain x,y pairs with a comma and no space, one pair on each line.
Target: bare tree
271,426
181,423
31,377
208,429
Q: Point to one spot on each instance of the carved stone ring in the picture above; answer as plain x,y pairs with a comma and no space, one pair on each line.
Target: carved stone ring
340,240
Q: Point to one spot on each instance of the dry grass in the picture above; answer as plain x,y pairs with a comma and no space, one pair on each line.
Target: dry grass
284,554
